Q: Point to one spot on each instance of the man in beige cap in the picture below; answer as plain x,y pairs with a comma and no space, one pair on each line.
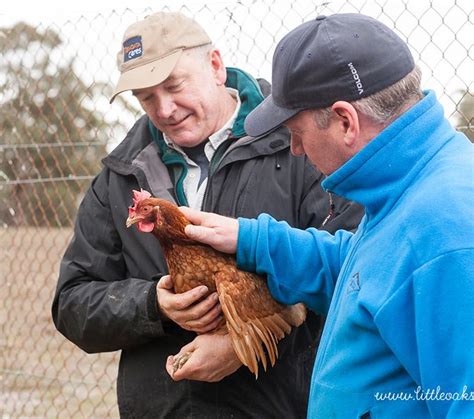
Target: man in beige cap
190,148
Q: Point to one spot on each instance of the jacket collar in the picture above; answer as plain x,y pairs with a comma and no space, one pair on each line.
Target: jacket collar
379,173
250,96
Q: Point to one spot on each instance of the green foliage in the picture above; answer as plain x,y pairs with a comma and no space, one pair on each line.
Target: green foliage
49,130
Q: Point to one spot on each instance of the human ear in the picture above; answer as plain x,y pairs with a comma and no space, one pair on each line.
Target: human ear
348,122
218,67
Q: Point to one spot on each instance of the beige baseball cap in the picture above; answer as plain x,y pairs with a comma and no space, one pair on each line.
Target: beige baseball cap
151,48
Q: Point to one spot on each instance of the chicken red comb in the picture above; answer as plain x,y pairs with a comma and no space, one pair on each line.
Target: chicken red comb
137,197
140,196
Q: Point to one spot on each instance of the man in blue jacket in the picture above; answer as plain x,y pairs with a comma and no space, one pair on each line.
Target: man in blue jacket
399,293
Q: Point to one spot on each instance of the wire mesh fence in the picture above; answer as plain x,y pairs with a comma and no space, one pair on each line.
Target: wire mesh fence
56,125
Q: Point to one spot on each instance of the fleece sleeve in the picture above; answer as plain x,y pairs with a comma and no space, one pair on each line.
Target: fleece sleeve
435,310
301,265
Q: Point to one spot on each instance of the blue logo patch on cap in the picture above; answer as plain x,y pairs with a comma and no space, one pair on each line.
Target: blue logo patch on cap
132,48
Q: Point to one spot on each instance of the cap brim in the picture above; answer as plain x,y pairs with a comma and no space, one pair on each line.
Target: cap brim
147,75
266,117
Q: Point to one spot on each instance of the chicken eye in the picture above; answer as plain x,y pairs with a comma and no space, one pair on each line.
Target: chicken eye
146,209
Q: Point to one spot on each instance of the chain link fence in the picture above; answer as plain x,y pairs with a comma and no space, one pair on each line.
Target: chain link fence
56,124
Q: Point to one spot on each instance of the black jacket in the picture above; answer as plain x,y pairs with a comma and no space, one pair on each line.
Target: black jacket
106,296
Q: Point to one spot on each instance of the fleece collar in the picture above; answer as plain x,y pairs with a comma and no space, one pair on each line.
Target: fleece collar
250,96
379,173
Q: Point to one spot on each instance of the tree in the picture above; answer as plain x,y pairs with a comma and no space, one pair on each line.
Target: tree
52,137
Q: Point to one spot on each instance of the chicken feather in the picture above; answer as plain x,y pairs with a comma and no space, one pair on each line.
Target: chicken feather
254,320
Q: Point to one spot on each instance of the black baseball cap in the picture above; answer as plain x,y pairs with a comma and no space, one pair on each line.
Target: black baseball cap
344,56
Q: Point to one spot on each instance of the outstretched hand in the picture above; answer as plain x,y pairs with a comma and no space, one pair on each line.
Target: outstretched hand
215,230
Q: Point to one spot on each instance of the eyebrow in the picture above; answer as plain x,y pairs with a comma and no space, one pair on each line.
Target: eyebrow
171,78
296,131
136,93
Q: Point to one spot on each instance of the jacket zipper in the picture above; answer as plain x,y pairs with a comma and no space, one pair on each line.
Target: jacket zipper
214,165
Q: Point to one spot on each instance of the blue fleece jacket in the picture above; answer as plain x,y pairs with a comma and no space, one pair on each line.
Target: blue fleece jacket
399,293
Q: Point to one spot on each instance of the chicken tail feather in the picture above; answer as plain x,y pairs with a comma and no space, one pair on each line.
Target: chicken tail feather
252,336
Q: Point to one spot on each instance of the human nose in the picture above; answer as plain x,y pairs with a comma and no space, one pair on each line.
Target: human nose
164,106
296,146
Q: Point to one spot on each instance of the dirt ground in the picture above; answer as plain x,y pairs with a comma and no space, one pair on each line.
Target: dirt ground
41,373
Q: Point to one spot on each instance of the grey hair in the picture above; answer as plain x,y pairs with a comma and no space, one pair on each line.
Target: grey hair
201,50
384,106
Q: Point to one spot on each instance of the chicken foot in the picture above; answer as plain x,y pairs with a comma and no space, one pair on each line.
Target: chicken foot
180,359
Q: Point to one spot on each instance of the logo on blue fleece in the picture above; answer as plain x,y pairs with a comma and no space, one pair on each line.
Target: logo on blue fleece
354,283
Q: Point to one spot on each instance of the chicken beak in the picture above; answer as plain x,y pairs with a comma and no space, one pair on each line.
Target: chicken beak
131,221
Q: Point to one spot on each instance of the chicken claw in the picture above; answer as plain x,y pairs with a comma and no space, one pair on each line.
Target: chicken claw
180,360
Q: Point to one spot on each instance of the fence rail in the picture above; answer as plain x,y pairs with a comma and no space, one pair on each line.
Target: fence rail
56,124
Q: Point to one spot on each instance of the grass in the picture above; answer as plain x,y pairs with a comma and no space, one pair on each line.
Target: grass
41,373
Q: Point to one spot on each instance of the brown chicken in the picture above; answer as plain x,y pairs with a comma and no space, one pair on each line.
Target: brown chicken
252,317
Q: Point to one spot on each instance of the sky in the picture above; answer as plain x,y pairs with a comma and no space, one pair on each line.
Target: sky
439,32
49,9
